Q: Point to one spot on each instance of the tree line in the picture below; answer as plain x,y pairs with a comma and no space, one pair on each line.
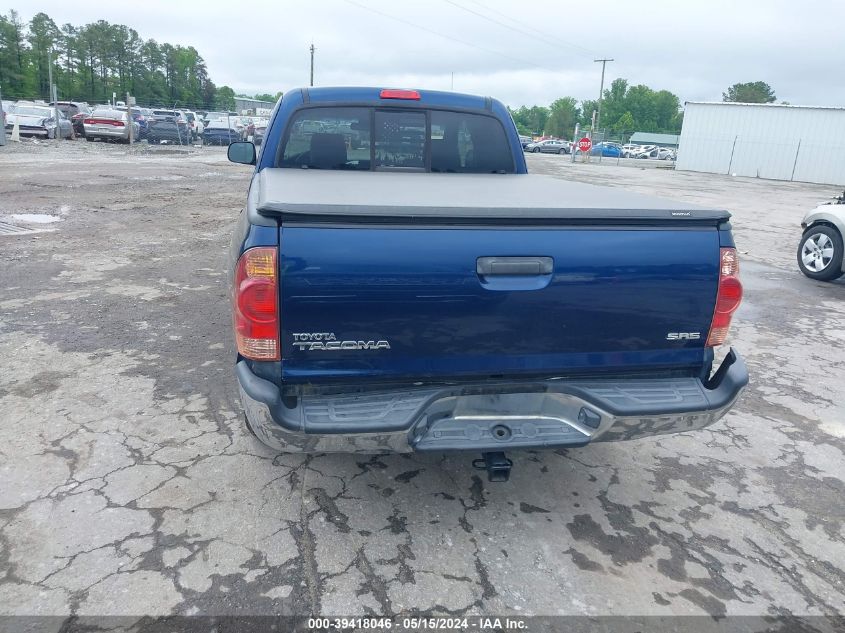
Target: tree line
625,109
92,61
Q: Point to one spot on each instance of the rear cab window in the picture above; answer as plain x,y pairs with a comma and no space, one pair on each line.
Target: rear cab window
395,139
328,138
400,139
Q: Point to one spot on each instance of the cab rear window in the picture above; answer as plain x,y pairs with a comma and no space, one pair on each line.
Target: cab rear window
328,138
400,139
361,138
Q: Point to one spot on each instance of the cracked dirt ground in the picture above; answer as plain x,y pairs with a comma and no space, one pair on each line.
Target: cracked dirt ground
128,484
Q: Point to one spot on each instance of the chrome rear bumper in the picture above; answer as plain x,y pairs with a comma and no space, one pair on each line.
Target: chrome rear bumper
546,414
121,133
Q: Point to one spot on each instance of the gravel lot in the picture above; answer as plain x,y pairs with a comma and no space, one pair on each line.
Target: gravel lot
130,487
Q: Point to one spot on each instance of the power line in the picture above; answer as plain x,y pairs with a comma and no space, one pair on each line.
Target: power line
557,43
552,39
543,36
448,37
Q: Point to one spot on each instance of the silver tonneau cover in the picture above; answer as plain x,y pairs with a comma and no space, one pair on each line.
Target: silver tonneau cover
320,194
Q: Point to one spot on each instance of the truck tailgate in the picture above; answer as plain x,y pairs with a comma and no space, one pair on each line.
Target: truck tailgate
428,277
398,301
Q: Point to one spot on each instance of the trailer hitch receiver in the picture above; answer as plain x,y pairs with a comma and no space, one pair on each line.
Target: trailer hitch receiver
498,466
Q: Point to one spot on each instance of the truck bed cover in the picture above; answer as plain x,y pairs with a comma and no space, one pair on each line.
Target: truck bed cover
381,196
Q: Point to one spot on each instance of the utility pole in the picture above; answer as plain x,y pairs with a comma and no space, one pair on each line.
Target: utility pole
53,96
2,121
453,82
601,89
312,63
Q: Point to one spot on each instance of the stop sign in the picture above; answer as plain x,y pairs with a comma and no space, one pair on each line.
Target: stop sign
585,144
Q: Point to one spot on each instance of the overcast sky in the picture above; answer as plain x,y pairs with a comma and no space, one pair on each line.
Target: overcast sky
527,52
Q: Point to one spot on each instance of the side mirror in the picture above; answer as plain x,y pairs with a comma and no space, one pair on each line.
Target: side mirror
242,152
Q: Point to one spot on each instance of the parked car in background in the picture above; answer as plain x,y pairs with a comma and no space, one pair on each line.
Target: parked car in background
38,120
655,152
606,149
549,146
261,128
239,123
109,124
642,151
629,150
195,124
77,122
820,251
209,116
525,140
247,128
75,112
148,115
221,131
168,126
141,117
659,153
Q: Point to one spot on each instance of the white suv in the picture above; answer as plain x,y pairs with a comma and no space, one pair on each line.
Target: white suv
195,124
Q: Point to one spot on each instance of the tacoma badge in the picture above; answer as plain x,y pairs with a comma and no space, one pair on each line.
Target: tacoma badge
327,341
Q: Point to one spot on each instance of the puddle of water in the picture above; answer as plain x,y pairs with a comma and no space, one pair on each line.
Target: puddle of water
7,228
35,218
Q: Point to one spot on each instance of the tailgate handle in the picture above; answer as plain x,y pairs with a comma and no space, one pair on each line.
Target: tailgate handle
522,266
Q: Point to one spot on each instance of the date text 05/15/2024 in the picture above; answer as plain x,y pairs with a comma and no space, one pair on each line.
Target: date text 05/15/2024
479,623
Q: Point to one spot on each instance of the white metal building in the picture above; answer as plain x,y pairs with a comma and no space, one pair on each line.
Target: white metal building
245,103
781,142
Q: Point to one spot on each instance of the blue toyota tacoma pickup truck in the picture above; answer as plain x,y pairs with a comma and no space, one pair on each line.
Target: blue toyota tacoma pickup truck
399,282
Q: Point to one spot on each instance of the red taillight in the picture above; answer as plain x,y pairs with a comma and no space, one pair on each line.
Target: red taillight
728,297
255,304
389,93
103,122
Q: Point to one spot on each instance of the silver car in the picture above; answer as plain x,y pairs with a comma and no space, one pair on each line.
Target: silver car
37,120
660,153
549,146
820,251
107,124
